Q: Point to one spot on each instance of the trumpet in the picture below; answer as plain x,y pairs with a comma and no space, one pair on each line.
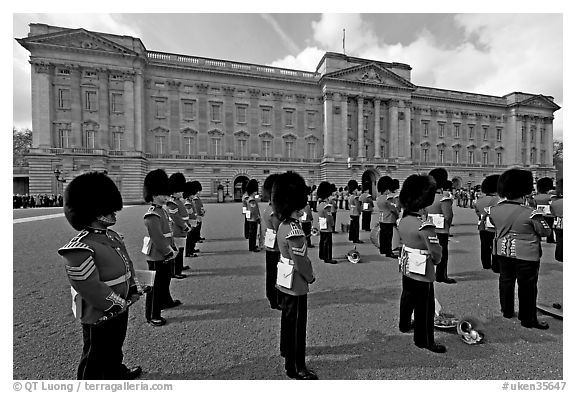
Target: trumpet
315,231
353,255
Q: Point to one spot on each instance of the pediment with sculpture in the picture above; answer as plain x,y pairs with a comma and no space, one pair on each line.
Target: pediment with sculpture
371,73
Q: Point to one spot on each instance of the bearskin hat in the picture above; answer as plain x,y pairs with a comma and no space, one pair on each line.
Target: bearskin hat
289,194
417,192
352,185
156,182
395,184
490,184
177,181
268,183
252,186
324,190
544,185
440,175
88,196
384,183
188,189
515,183
448,185
196,187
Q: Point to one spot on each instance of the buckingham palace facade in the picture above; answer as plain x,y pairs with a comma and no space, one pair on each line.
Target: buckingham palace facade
104,102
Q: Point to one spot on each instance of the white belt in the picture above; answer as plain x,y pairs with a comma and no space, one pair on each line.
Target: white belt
168,234
286,260
416,250
119,280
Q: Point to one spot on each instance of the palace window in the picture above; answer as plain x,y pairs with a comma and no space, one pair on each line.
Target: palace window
242,147
215,115
64,98
311,119
188,110
266,116
425,128
160,108
289,149
470,157
456,130
63,71
441,130
543,156
90,100
90,139
311,151
484,158
216,146
425,155
241,114
116,103
160,142
499,158
470,132
188,145
441,156
485,133
532,157
289,118
64,136
266,148
117,140
381,123
499,134
456,156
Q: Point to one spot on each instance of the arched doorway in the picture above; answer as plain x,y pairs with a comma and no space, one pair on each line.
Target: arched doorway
239,187
370,176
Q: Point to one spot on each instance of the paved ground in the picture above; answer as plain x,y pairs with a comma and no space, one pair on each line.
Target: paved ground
225,329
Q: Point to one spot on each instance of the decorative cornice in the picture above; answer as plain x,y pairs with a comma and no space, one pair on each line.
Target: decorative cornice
328,96
202,88
254,93
228,91
300,98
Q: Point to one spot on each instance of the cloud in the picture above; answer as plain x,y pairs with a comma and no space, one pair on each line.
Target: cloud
288,42
501,53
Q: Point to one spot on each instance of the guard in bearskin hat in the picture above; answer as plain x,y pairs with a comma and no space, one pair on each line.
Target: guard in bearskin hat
367,206
179,216
200,211
192,220
388,215
162,250
517,246
252,214
441,214
289,196
557,211
101,274
542,200
269,226
421,250
325,222
485,227
355,210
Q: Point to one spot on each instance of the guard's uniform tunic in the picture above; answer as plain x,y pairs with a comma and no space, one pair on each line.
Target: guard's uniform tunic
442,206
101,272
517,247
244,210
253,218
486,230
306,222
355,210
367,207
180,228
162,247
557,210
542,202
326,223
193,221
270,222
294,301
387,220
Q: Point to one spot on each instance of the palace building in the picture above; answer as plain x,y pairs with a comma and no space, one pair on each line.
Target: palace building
104,102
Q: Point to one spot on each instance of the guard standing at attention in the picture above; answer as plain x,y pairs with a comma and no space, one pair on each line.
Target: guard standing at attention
179,216
355,210
557,211
388,215
192,220
367,206
101,275
158,246
325,222
487,231
269,226
253,214
306,221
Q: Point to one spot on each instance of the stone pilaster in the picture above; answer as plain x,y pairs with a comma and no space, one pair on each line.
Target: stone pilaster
104,110
42,105
393,116
76,108
407,130
129,111
344,122
328,124
361,147
139,110
376,128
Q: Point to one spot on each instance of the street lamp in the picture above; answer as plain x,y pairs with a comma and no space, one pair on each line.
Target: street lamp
227,184
59,179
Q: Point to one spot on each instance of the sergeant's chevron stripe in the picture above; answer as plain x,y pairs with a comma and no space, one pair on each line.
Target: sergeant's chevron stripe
173,211
74,244
299,251
82,272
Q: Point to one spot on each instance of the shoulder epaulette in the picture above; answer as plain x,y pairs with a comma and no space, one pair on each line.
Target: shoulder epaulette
295,231
426,224
151,212
118,235
536,213
446,198
76,244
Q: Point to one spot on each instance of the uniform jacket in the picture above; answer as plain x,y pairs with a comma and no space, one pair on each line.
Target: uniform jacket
292,245
542,199
270,221
481,207
191,210
442,205
159,229
388,211
179,216
366,198
557,211
308,211
419,234
100,270
522,240
355,205
199,208
325,211
253,208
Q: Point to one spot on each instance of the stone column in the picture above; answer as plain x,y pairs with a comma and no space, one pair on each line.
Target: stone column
254,122
393,116
104,110
129,111
549,140
361,147
76,108
376,128
42,105
328,124
228,120
407,130
344,121
139,110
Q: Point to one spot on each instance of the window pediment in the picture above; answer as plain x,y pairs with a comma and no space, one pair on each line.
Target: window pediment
215,133
241,134
311,138
160,130
189,130
266,135
289,136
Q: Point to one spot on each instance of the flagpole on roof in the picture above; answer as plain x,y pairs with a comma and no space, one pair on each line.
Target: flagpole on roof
344,41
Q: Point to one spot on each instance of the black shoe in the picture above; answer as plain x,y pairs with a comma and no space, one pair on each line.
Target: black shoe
187,267
407,330
437,348
202,238
157,321
391,255
179,276
332,262
174,303
195,250
447,281
535,325
133,372
358,241
508,316
255,250
302,375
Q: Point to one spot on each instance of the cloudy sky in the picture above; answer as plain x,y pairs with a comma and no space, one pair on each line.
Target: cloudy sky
492,54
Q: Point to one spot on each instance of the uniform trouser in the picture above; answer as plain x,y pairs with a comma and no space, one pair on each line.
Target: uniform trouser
385,238
160,294
325,246
559,244
252,232
354,234
346,205
486,243
418,297
293,330
341,204
526,273
442,267
334,219
246,229
550,221
272,259
179,260
366,218
191,241
102,351
307,229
